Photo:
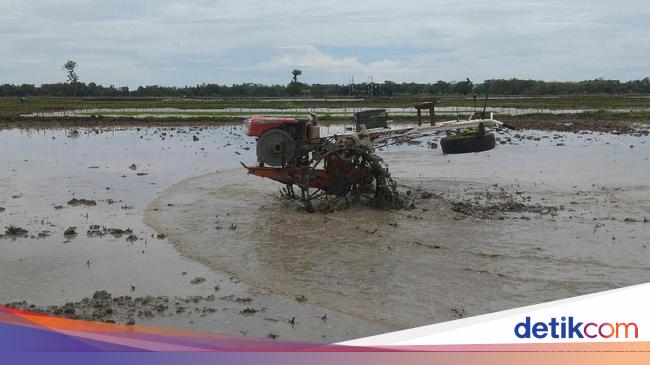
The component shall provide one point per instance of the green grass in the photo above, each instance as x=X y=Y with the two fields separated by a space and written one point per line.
x=12 y=106
x=190 y=113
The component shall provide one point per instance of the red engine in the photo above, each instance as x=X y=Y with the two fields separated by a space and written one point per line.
x=281 y=140
x=256 y=126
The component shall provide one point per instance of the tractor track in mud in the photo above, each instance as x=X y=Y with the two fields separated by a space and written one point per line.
x=501 y=235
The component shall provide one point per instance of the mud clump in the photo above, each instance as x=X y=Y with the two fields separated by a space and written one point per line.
x=494 y=205
x=71 y=232
x=81 y=202
x=248 y=311
x=387 y=196
x=197 y=281
x=14 y=232
x=118 y=232
x=104 y=307
x=494 y=211
x=102 y=295
x=44 y=234
x=2 y=209
x=96 y=231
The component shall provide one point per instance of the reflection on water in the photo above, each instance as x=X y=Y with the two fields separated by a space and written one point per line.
x=339 y=112
x=44 y=169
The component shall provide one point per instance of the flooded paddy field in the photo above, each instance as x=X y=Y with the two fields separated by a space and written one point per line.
x=148 y=281
x=168 y=230
x=449 y=111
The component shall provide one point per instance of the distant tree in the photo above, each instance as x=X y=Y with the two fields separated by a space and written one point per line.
x=387 y=88
x=296 y=72
x=295 y=88
x=73 y=78
x=464 y=87
x=70 y=67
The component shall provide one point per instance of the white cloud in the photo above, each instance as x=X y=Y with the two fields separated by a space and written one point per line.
x=127 y=42
x=309 y=58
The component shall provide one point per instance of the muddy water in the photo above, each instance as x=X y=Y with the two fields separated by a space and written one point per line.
x=432 y=263
x=356 y=272
x=41 y=170
x=449 y=110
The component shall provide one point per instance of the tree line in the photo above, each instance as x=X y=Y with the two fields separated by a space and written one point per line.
x=515 y=87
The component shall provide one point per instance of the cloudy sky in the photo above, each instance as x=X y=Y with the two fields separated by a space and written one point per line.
x=129 y=42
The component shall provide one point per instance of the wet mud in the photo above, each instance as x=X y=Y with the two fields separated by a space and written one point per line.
x=71 y=226
x=607 y=123
x=575 y=123
x=103 y=307
x=543 y=216
x=500 y=205
x=99 y=122
x=487 y=232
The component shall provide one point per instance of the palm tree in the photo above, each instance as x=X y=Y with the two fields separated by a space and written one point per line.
x=296 y=72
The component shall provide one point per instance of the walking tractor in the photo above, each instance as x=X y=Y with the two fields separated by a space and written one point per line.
x=292 y=151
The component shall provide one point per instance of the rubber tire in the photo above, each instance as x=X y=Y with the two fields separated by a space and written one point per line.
x=467 y=144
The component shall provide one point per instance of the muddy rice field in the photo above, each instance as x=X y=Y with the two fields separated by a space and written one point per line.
x=161 y=226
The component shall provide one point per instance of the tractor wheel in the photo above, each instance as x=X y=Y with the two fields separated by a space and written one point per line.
x=376 y=188
x=467 y=144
